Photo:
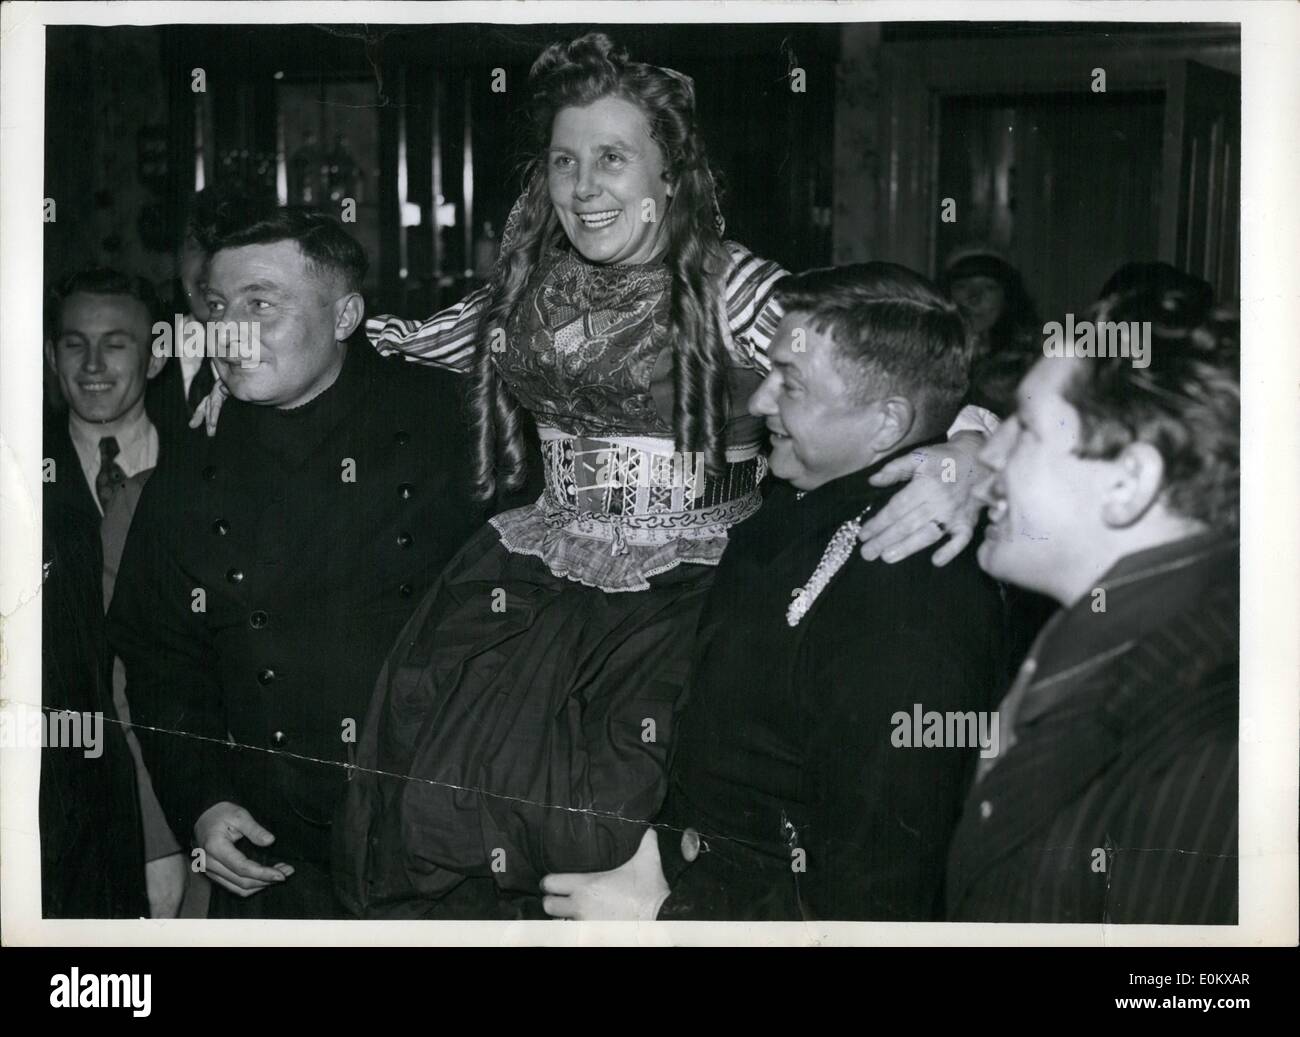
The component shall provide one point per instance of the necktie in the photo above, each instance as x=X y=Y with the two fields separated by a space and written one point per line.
x=111 y=478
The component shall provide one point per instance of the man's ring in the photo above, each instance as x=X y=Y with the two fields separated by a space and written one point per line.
x=942 y=528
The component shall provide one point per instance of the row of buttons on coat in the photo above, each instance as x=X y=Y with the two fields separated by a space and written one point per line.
x=259 y=619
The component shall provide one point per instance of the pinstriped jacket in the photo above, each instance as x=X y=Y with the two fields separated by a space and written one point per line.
x=1117 y=799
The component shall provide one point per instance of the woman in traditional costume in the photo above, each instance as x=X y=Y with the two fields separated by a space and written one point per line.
x=522 y=722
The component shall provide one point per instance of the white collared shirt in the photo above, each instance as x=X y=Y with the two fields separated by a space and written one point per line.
x=137 y=447
x=974 y=419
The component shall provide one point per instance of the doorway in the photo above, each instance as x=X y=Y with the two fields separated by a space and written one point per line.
x=1067 y=186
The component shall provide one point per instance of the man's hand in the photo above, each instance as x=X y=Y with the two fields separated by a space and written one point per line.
x=216 y=832
x=209 y=408
x=938 y=502
x=631 y=892
x=165 y=879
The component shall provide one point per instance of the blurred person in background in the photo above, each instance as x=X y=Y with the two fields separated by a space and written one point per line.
x=1002 y=317
x=186 y=380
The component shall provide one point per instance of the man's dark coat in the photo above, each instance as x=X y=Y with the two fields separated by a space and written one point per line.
x=267 y=572
x=786 y=771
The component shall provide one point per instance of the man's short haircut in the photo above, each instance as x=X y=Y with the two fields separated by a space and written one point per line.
x=1186 y=402
x=100 y=281
x=329 y=249
x=894 y=333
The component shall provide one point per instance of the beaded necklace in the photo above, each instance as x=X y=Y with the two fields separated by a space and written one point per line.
x=837 y=553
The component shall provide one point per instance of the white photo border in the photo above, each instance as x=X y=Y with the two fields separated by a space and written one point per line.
x=1270 y=648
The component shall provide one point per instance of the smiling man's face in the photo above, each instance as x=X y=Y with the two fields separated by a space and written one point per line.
x=1045 y=501
x=819 y=428
x=296 y=308
x=102 y=355
x=602 y=170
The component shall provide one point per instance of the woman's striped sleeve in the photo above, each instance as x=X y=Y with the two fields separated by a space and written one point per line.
x=444 y=340
x=752 y=311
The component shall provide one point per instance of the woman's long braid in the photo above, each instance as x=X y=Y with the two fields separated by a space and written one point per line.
x=500 y=454
x=699 y=353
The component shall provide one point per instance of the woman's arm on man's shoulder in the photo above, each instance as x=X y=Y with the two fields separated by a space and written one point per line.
x=749 y=302
x=444 y=340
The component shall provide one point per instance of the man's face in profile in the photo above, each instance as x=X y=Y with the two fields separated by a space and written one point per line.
x=102 y=355
x=819 y=430
x=293 y=306
x=1045 y=500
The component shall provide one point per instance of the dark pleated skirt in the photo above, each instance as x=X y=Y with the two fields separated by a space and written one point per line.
x=520 y=726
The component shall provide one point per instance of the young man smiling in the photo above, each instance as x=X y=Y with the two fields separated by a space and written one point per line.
x=99 y=350
x=103 y=449
x=1115 y=492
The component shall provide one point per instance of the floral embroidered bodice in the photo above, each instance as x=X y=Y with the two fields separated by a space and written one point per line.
x=582 y=347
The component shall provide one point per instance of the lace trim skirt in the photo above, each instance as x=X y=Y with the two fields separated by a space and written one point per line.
x=616 y=512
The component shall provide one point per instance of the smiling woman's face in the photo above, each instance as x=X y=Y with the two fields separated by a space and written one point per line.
x=605 y=177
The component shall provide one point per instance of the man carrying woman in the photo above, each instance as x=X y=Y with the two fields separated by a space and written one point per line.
x=521 y=724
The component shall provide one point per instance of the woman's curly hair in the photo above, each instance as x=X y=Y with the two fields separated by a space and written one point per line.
x=579 y=73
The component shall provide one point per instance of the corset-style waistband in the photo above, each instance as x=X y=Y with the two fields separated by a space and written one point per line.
x=617 y=512
x=629 y=480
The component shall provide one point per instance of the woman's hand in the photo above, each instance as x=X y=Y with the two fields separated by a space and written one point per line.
x=209 y=408
x=938 y=502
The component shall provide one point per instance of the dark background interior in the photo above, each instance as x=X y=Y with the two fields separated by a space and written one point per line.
x=1068 y=183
